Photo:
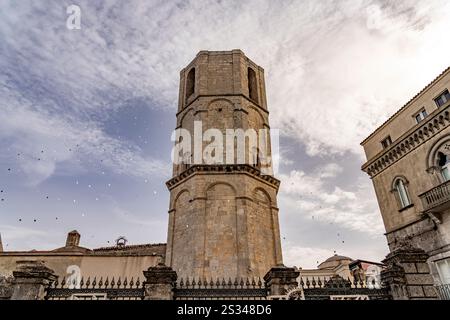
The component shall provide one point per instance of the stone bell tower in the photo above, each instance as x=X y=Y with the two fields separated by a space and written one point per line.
x=223 y=216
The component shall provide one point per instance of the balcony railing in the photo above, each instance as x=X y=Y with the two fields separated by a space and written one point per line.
x=436 y=196
x=444 y=291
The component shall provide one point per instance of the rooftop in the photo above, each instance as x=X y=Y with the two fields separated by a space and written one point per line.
x=72 y=247
x=407 y=104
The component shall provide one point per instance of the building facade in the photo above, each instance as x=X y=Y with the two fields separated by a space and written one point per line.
x=223 y=232
x=223 y=217
x=365 y=272
x=74 y=262
x=408 y=160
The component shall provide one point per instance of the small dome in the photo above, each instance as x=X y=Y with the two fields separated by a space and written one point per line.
x=334 y=261
x=338 y=258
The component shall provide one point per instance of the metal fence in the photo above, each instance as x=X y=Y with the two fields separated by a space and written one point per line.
x=96 y=290
x=202 y=289
x=335 y=288
x=338 y=288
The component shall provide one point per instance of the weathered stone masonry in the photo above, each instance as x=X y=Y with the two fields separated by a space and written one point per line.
x=223 y=219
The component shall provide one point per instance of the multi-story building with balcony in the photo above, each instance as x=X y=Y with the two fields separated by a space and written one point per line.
x=408 y=160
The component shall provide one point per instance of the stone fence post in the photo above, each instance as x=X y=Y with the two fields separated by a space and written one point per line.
x=280 y=280
x=6 y=287
x=408 y=275
x=160 y=282
x=31 y=278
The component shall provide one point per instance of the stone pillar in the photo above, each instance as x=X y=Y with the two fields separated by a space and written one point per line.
x=408 y=275
x=160 y=282
x=6 y=287
x=280 y=280
x=31 y=278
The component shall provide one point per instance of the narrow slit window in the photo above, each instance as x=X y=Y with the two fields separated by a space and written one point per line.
x=190 y=83
x=252 y=85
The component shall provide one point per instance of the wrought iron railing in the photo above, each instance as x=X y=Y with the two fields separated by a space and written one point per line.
x=120 y=289
x=444 y=291
x=220 y=289
x=436 y=196
x=336 y=287
x=310 y=288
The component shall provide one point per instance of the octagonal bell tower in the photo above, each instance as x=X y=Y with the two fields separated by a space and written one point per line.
x=223 y=215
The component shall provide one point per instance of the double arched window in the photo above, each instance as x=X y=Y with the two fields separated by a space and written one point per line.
x=438 y=160
x=400 y=188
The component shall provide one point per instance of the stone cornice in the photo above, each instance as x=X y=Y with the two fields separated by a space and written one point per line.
x=222 y=169
x=416 y=136
x=223 y=95
x=414 y=99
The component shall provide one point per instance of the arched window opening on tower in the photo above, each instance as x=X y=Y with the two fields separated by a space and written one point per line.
x=401 y=190
x=187 y=157
x=190 y=83
x=252 y=85
x=444 y=164
x=256 y=158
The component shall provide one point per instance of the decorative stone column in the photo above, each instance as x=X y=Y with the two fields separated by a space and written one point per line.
x=31 y=278
x=408 y=275
x=280 y=280
x=160 y=282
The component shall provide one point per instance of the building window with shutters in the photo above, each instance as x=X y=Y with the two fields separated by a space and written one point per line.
x=421 y=116
x=386 y=142
x=442 y=99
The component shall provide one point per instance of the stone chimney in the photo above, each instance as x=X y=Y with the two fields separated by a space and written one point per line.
x=1 y=243
x=73 y=239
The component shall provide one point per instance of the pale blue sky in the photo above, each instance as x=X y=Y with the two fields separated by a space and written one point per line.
x=86 y=115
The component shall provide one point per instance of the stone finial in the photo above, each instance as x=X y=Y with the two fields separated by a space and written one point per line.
x=281 y=279
x=160 y=282
x=31 y=278
x=6 y=287
x=73 y=239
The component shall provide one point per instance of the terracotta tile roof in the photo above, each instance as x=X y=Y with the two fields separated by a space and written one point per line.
x=407 y=104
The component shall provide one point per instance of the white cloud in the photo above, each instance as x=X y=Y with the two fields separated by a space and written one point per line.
x=341 y=86
x=330 y=65
x=127 y=217
x=334 y=71
x=45 y=140
x=313 y=195
x=311 y=257
x=329 y=170
x=304 y=257
x=17 y=233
